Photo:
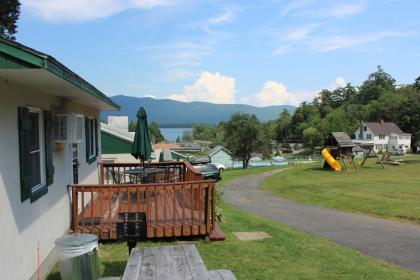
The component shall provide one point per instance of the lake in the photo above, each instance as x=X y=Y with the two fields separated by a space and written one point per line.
x=171 y=134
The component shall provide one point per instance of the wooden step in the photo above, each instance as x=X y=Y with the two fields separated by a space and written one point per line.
x=217 y=234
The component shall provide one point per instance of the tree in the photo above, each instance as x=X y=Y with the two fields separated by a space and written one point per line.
x=155 y=133
x=132 y=126
x=337 y=121
x=417 y=84
x=178 y=139
x=204 y=132
x=377 y=84
x=187 y=136
x=283 y=126
x=264 y=140
x=241 y=135
x=9 y=14
x=306 y=115
x=312 y=137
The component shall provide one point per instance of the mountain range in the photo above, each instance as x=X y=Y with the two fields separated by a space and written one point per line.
x=171 y=113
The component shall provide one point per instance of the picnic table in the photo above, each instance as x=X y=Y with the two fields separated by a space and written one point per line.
x=181 y=262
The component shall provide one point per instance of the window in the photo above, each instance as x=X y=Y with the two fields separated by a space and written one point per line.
x=381 y=137
x=35 y=152
x=36 y=149
x=368 y=136
x=91 y=128
x=364 y=128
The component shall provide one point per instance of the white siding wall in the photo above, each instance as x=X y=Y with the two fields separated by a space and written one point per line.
x=222 y=157
x=386 y=143
x=24 y=224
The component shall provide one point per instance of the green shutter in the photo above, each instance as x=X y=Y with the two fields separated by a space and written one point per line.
x=97 y=139
x=49 y=147
x=26 y=173
x=87 y=138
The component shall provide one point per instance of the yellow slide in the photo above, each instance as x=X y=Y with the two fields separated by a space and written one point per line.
x=331 y=160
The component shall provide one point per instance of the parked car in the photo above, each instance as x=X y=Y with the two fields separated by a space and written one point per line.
x=209 y=170
x=397 y=152
x=220 y=166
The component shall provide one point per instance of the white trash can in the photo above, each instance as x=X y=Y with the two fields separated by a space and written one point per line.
x=78 y=257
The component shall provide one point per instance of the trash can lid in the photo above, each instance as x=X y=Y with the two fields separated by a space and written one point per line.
x=76 y=240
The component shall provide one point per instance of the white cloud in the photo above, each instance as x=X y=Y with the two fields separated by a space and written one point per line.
x=84 y=10
x=345 y=10
x=339 y=82
x=272 y=93
x=289 y=38
x=293 y=6
x=150 y=95
x=337 y=11
x=227 y=16
x=210 y=87
x=178 y=97
x=304 y=39
x=148 y=4
x=336 y=42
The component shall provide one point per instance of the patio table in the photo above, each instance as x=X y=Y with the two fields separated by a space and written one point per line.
x=141 y=174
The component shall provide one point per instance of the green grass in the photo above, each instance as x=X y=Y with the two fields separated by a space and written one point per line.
x=392 y=193
x=288 y=254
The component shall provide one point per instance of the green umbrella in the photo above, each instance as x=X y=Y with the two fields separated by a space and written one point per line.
x=142 y=147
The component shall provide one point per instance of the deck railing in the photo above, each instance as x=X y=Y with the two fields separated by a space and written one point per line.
x=174 y=172
x=179 y=203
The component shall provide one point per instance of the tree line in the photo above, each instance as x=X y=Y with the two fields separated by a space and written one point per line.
x=342 y=109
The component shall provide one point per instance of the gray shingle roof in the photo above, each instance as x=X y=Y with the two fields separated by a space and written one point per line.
x=385 y=128
x=343 y=139
x=216 y=149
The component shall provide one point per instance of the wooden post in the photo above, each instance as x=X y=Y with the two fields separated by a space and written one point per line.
x=213 y=214
x=75 y=200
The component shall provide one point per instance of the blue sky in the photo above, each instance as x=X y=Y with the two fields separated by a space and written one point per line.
x=256 y=52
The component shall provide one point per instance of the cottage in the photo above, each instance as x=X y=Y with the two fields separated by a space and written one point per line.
x=384 y=136
x=49 y=140
x=221 y=155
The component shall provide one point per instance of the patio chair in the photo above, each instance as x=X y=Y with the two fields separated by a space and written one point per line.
x=120 y=178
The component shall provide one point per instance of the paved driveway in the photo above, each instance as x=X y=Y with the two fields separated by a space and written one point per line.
x=391 y=241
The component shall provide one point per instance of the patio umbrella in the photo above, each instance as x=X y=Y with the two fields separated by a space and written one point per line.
x=142 y=147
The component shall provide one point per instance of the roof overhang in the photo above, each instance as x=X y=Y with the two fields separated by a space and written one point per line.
x=32 y=69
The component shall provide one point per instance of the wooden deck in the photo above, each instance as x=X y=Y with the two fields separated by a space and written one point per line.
x=172 y=209
x=170 y=263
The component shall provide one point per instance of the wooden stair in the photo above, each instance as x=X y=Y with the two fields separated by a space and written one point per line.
x=217 y=234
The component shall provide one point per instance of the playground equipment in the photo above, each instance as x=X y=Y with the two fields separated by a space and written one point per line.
x=330 y=159
x=368 y=147
x=338 y=146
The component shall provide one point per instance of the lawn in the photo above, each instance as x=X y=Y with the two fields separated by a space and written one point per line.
x=392 y=193
x=288 y=254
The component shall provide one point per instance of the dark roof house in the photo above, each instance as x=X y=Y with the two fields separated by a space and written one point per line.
x=384 y=128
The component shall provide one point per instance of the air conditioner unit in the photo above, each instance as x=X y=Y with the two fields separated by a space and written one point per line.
x=68 y=128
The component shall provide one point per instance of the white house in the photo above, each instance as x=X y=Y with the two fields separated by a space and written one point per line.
x=221 y=155
x=49 y=140
x=384 y=136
